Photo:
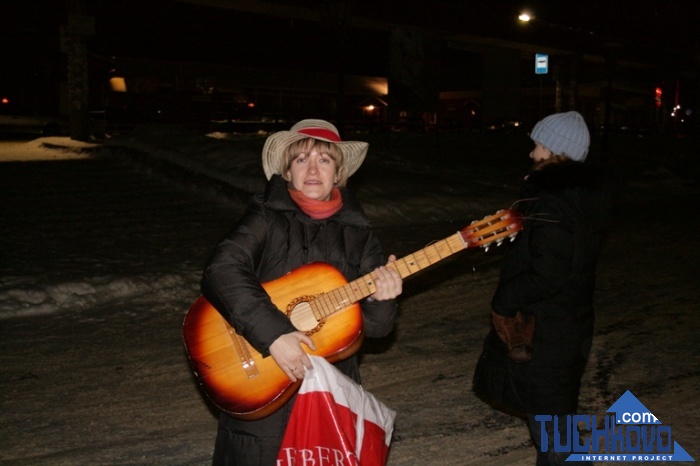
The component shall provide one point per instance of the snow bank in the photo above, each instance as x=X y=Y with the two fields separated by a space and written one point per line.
x=229 y=159
x=402 y=180
x=25 y=299
x=407 y=179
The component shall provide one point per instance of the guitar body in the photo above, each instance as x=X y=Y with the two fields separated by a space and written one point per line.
x=235 y=376
x=320 y=302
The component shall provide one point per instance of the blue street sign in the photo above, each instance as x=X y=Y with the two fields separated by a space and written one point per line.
x=541 y=62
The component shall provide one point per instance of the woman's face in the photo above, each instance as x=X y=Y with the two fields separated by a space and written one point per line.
x=539 y=153
x=314 y=174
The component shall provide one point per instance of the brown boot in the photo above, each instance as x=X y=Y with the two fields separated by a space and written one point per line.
x=516 y=332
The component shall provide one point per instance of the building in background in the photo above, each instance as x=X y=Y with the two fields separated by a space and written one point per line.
x=370 y=66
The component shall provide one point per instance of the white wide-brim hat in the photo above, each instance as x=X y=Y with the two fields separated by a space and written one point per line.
x=354 y=152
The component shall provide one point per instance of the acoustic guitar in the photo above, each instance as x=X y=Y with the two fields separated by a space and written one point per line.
x=320 y=302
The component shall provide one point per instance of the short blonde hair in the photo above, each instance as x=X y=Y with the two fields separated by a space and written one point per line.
x=292 y=151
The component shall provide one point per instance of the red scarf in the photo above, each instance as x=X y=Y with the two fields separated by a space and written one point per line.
x=318 y=209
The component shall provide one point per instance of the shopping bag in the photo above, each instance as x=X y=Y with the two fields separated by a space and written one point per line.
x=335 y=421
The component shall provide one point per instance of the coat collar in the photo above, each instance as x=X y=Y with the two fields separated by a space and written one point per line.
x=276 y=197
x=565 y=175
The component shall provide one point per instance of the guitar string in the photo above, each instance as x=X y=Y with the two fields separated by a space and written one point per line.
x=429 y=255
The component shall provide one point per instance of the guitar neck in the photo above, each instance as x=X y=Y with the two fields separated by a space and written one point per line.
x=495 y=228
x=358 y=289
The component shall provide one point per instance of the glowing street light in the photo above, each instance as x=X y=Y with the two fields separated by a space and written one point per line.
x=525 y=17
x=117 y=84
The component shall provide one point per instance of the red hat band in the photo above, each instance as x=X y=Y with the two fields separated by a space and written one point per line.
x=320 y=133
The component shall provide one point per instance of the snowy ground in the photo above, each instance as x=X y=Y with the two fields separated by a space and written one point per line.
x=102 y=248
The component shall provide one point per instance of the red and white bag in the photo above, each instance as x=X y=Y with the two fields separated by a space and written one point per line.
x=335 y=422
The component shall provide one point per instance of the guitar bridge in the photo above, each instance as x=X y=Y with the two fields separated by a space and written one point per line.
x=246 y=360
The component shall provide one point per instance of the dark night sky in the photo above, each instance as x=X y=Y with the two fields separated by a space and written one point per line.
x=664 y=31
x=169 y=29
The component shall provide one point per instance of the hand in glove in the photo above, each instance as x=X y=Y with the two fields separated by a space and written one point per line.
x=516 y=332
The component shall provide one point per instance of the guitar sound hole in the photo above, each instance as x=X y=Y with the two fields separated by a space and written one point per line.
x=302 y=316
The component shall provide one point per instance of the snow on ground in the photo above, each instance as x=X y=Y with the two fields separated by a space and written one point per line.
x=48 y=148
x=394 y=189
x=407 y=179
x=103 y=247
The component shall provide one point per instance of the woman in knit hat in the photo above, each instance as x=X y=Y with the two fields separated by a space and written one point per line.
x=547 y=276
x=305 y=215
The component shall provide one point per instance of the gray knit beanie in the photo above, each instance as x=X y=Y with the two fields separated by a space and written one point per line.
x=564 y=134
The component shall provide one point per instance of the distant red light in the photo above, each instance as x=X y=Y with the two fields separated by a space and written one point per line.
x=5 y=101
x=657 y=97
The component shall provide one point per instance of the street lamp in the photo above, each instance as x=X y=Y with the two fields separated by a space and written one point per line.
x=525 y=17
x=528 y=17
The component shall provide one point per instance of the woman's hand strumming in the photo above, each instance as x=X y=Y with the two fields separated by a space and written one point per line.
x=290 y=356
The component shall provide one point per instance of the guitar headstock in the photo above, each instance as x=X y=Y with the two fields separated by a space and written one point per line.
x=494 y=228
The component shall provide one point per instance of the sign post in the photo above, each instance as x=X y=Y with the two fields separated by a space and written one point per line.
x=541 y=67
x=541 y=63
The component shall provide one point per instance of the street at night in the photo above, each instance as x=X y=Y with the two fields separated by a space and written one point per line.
x=103 y=256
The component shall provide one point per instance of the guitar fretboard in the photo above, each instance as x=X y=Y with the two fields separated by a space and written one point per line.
x=327 y=303
x=492 y=229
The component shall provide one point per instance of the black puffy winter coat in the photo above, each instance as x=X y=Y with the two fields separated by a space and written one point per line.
x=274 y=237
x=549 y=272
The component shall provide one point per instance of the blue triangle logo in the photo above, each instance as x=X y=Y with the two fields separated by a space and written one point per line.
x=679 y=454
x=629 y=410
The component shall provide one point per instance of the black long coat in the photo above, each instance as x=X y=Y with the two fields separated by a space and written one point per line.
x=549 y=272
x=272 y=238
x=275 y=237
